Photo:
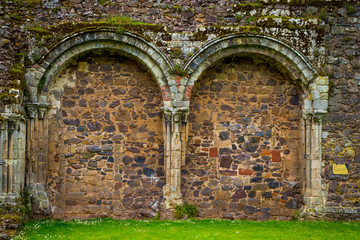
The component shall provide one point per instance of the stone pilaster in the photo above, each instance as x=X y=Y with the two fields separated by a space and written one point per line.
x=36 y=156
x=175 y=121
x=314 y=191
x=12 y=158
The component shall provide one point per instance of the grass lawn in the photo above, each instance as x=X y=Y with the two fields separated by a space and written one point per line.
x=187 y=229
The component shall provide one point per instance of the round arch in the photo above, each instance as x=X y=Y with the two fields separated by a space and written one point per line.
x=71 y=46
x=293 y=61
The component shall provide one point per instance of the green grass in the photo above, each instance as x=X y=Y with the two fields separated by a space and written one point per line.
x=187 y=229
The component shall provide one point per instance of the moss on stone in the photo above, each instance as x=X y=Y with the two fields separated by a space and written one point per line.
x=247 y=6
x=7 y=98
x=307 y=2
x=39 y=30
x=286 y=22
x=17 y=72
x=224 y=30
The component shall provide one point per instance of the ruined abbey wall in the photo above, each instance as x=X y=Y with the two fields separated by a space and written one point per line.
x=246 y=109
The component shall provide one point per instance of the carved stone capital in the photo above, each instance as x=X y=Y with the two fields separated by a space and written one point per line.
x=31 y=109
x=307 y=115
x=175 y=114
x=42 y=108
x=37 y=108
x=319 y=114
x=167 y=114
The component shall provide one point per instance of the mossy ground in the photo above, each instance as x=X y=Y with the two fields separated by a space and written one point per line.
x=187 y=229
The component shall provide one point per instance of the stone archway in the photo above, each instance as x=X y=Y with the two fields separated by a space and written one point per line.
x=58 y=111
x=287 y=59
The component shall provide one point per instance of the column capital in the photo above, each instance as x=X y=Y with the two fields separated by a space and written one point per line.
x=307 y=115
x=37 y=108
x=31 y=109
x=42 y=108
x=176 y=114
x=319 y=114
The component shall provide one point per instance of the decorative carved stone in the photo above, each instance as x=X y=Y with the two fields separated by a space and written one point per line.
x=31 y=109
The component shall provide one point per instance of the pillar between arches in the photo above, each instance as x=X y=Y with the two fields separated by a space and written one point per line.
x=175 y=135
x=36 y=155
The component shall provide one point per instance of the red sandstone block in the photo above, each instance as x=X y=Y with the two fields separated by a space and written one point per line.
x=166 y=93
x=117 y=185
x=227 y=172
x=213 y=152
x=245 y=171
x=178 y=80
x=187 y=93
x=275 y=155
x=265 y=152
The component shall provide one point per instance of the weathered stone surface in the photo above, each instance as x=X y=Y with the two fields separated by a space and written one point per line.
x=240 y=193
x=292 y=203
x=206 y=191
x=225 y=161
x=100 y=95
x=275 y=156
x=219 y=203
x=249 y=209
x=110 y=161
x=242 y=134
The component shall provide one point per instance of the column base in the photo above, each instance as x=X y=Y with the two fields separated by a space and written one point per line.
x=39 y=199
x=330 y=213
x=10 y=199
x=172 y=196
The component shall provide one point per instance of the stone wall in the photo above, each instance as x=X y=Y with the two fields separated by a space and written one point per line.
x=341 y=127
x=244 y=142
x=106 y=157
x=225 y=132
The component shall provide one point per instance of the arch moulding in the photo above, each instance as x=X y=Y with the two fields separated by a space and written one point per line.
x=71 y=46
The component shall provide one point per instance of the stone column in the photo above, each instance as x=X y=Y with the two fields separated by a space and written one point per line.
x=315 y=109
x=307 y=141
x=3 y=157
x=314 y=192
x=175 y=120
x=12 y=159
x=37 y=146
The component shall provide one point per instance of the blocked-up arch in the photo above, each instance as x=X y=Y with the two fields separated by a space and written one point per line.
x=287 y=57
x=298 y=67
x=43 y=85
x=128 y=43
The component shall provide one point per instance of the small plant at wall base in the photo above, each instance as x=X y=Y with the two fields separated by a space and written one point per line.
x=185 y=211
